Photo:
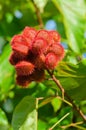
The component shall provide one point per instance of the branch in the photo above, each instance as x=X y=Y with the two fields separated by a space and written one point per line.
x=59 y=121
x=66 y=95
x=38 y=14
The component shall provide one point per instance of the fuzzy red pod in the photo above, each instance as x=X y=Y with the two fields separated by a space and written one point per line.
x=43 y=34
x=14 y=58
x=39 y=46
x=23 y=81
x=51 y=61
x=57 y=49
x=39 y=61
x=29 y=33
x=24 y=68
x=20 y=50
x=55 y=36
x=33 y=52
x=20 y=39
x=38 y=75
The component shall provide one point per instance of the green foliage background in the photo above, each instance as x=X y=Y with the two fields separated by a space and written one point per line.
x=68 y=17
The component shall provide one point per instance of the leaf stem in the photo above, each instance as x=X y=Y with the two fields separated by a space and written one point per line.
x=66 y=95
x=59 y=121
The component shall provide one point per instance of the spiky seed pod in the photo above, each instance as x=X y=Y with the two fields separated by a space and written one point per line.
x=43 y=34
x=23 y=81
x=38 y=75
x=20 y=50
x=24 y=68
x=55 y=37
x=14 y=58
x=29 y=32
x=39 y=46
x=51 y=61
x=20 y=39
x=33 y=52
x=39 y=61
x=57 y=49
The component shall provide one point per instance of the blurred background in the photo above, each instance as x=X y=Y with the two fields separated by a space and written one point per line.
x=68 y=17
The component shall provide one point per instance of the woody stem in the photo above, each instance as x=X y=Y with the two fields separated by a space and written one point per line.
x=66 y=95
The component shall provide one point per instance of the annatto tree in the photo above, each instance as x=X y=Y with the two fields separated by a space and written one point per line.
x=43 y=65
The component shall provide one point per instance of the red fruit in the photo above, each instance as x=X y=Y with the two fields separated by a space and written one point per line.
x=43 y=34
x=14 y=59
x=39 y=61
x=20 y=39
x=55 y=37
x=51 y=61
x=24 y=68
x=33 y=52
x=56 y=49
x=20 y=50
x=38 y=75
x=23 y=80
x=39 y=46
x=29 y=32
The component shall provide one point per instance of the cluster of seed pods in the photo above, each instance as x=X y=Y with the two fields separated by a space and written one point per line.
x=34 y=51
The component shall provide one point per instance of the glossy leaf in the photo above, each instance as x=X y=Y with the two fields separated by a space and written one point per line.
x=73 y=12
x=25 y=115
x=73 y=79
x=56 y=103
x=7 y=71
x=3 y=121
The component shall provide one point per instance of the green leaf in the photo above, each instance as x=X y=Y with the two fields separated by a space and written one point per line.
x=7 y=71
x=25 y=115
x=46 y=101
x=42 y=125
x=73 y=12
x=56 y=103
x=73 y=79
x=3 y=121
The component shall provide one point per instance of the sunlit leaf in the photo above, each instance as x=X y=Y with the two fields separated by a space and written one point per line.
x=56 y=103
x=3 y=121
x=25 y=115
x=74 y=18
x=6 y=71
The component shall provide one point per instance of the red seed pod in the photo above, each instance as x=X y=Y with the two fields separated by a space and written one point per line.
x=20 y=50
x=56 y=49
x=23 y=81
x=55 y=37
x=39 y=61
x=38 y=75
x=14 y=58
x=39 y=46
x=29 y=32
x=20 y=39
x=33 y=52
x=43 y=34
x=24 y=68
x=51 y=61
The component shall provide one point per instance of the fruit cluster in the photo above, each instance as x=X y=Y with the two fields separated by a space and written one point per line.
x=32 y=52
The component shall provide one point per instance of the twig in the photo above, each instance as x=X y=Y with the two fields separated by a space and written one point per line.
x=38 y=14
x=66 y=95
x=59 y=121
x=77 y=125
